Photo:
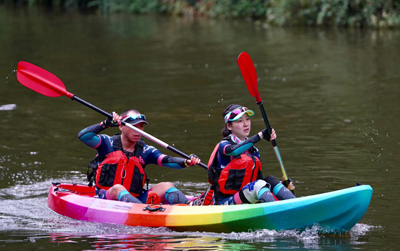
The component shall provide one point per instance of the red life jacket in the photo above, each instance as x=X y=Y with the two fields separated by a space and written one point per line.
x=243 y=169
x=117 y=168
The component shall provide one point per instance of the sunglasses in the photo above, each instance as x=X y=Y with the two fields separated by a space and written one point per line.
x=237 y=114
x=133 y=118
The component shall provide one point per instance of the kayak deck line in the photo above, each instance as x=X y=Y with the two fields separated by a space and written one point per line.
x=335 y=211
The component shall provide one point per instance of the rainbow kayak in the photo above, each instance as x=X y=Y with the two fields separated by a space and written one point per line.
x=334 y=211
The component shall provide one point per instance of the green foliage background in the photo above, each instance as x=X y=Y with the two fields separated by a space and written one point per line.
x=345 y=13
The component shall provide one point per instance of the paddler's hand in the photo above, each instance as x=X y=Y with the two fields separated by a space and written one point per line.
x=194 y=160
x=290 y=186
x=114 y=121
x=268 y=137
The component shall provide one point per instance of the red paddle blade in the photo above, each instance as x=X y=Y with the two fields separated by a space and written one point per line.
x=249 y=74
x=40 y=80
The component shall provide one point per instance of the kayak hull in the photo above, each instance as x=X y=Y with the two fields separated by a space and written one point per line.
x=333 y=211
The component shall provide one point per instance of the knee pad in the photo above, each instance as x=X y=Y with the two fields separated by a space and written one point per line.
x=125 y=196
x=249 y=193
x=174 y=196
x=265 y=195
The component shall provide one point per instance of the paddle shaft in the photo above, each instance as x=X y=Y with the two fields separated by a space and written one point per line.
x=274 y=144
x=143 y=133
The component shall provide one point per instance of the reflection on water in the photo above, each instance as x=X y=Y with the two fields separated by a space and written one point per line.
x=162 y=239
x=152 y=242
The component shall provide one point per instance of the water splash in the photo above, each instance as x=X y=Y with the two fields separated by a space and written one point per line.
x=8 y=76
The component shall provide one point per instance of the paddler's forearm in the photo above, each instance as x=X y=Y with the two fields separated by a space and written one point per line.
x=89 y=135
x=233 y=150
x=173 y=162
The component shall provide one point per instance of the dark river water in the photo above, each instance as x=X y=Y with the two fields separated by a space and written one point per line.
x=332 y=95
